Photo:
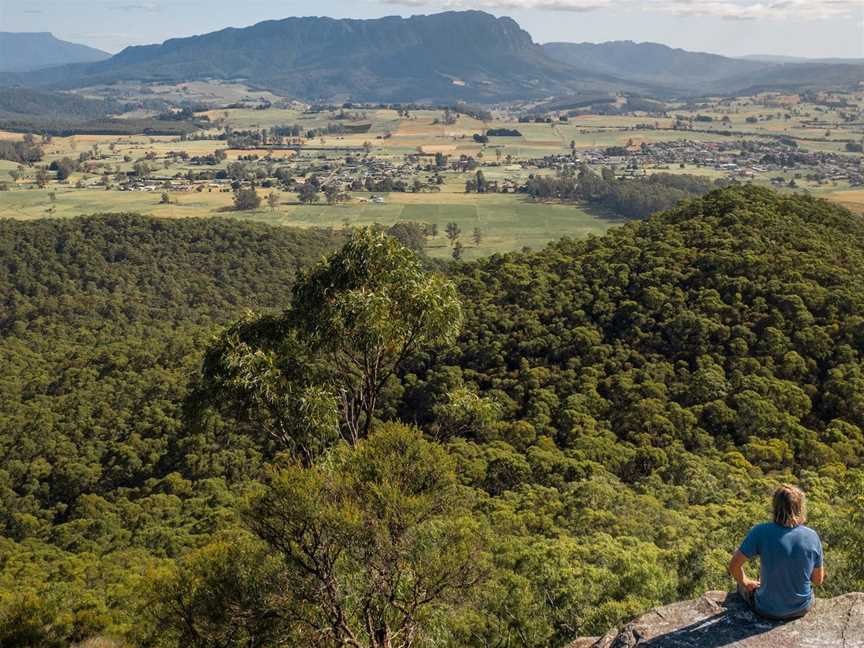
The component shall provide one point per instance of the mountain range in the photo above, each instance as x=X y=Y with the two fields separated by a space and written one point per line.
x=467 y=55
x=688 y=73
x=24 y=52
x=775 y=58
x=653 y=63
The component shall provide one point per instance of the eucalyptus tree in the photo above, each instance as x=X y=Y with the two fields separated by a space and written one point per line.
x=374 y=548
x=318 y=369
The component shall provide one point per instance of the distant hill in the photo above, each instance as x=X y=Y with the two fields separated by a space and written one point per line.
x=651 y=63
x=44 y=103
x=67 y=113
x=46 y=111
x=774 y=58
x=797 y=77
x=699 y=72
x=468 y=55
x=24 y=52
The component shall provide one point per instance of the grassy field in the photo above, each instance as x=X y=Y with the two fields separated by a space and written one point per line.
x=506 y=222
x=851 y=199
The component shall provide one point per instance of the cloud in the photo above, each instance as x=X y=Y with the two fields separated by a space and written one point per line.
x=747 y=10
x=727 y=9
x=548 y=5
x=135 y=6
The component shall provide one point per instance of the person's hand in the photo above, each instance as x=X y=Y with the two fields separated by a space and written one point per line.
x=751 y=585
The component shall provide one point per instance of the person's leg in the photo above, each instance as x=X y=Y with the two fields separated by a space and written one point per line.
x=747 y=595
x=789 y=617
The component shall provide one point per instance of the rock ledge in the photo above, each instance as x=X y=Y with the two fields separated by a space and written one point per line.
x=721 y=620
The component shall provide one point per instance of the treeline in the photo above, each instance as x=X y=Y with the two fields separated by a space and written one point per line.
x=637 y=197
x=26 y=151
x=277 y=135
x=503 y=132
x=65 y=167
x=61 y=127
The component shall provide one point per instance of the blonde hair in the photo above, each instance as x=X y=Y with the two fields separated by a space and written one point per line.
x=790 y=506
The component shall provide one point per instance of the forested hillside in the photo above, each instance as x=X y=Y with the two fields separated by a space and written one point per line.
x=102 y=321
x=630 y=197
x=596 y=424
x=731 y=320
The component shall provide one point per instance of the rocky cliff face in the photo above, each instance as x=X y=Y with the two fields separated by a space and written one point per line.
x=721 y=620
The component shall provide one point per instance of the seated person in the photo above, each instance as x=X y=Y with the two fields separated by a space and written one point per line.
x=791 y=557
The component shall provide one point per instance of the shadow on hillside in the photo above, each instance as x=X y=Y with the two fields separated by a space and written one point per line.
x=597 y=211
x=606 y=214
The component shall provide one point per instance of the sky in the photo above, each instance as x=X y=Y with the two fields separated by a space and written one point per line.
x=807 y=28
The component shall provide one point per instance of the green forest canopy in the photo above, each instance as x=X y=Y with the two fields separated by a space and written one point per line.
x=599 y=437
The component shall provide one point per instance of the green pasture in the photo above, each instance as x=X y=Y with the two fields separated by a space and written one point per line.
x=5 y=167
x=506 y=222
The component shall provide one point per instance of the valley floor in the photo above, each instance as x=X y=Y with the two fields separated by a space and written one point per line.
x=507 y=222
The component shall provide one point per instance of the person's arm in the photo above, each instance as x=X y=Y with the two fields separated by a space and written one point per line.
x=736 y=570
x=818 y=576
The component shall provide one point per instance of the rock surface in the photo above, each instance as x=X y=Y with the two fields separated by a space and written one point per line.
x=721 y=620
x=584 y=642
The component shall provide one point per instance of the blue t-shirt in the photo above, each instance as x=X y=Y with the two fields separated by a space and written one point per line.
x=789 y=555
